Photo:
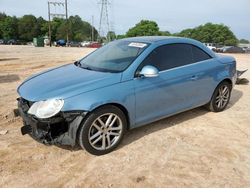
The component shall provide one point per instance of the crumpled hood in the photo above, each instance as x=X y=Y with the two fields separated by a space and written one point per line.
x=65 y=81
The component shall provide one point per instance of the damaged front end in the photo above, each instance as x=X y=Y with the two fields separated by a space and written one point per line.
x=58 y=130
x=239 y=80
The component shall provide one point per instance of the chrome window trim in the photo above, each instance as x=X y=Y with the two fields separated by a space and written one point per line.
x=186 y=65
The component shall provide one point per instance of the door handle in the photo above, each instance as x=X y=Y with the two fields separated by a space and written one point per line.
x=194 y=77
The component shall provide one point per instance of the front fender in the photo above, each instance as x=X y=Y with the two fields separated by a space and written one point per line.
x=121 y=93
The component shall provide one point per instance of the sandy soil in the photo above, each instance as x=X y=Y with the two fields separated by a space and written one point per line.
x=193 y=149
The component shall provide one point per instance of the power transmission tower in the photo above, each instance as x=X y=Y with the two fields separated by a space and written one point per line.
x=104 y=20
x=58 y=15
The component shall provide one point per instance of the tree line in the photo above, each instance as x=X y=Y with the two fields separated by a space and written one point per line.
x=27 y=27
x=208 y=33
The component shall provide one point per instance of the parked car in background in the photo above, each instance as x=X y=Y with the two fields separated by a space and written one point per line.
x=16 y=42
x=12 y=42
x=46 y=41
x=247 y=49
x=61 y=42
x=85 y=43
x=123 y=85
x=232 y=49
x=74 y=44
x=219 y=50
x=2 y=41
x=211 y=46
x=94 y=45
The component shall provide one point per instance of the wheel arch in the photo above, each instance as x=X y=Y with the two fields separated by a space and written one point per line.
x=121 y=107
x=210 y=106
x=228 y=80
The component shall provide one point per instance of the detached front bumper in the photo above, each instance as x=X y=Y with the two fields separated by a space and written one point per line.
x=59 y=130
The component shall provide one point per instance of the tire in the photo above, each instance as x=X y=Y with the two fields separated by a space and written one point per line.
x=102 y=130
x=221 y=97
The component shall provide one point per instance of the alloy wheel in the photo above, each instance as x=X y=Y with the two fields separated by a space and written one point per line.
x=105 y=131
x=222 y=97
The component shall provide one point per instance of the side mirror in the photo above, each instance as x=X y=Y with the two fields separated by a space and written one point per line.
x=149 y=71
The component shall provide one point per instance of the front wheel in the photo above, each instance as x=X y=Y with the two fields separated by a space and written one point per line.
x=221 y=97
x=103 y=130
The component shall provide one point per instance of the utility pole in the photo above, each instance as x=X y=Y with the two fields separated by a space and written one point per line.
x=92 y=29
x=67 y=23
x=104 y=19
x=49 y=25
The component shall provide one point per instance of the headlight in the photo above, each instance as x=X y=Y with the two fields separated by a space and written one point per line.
x=46 y=109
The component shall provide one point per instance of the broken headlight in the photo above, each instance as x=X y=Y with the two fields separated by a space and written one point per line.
x=46 y=109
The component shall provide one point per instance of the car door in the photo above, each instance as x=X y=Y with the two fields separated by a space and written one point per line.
x=204 y=68
x=174 y=90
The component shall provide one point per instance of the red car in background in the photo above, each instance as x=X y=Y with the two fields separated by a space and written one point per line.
x=94 y=45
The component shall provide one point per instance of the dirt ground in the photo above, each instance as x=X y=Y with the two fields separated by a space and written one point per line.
x=193 y=149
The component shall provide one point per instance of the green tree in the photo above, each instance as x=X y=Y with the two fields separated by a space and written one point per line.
x=244 y=41
x=211 y=33
x=164 y=33
x=28 y=28
x=41 y=26
x=144 y=28
x=120 y=36
x=45 y=28
x=79 y=30
x=55 y=24
x=8 y=25
x=2 y=17
x=61 y=30
x=111 y=35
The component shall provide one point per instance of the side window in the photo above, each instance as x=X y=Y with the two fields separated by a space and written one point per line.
x=199 y=54
x=169 y=56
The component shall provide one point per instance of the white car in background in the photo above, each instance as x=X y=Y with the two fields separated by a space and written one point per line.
x=210 y=46
x=85 y=43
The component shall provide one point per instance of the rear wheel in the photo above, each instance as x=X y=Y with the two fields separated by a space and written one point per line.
x=103 y=130
x=221 y=97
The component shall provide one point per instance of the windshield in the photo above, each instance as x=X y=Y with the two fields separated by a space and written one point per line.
x=113 y=57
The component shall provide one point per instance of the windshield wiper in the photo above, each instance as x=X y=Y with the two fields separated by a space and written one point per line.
x=77 y=63
x=85 y=67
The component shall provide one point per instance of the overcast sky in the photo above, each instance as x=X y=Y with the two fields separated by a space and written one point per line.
x=171 y=15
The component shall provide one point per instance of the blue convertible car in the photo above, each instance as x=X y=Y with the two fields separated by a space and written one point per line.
x=123 y=85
